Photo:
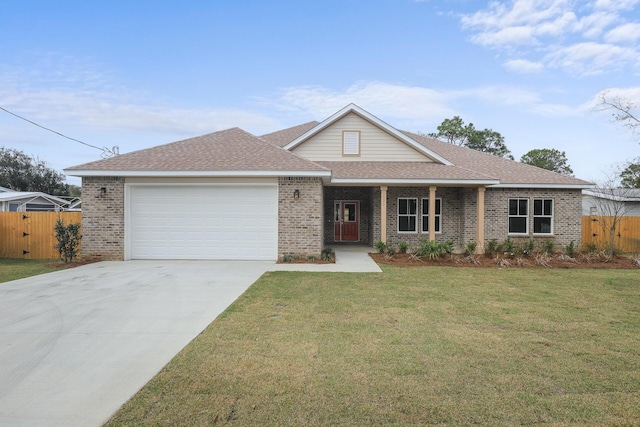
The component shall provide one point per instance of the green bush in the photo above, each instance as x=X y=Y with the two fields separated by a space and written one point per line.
x=403 y=247
x=492 y=248
x=570 y=249
x=381 y=246
x=68 y=237
x=548 y=246
x=434 y=249
x=470 y=248
x=327 y=254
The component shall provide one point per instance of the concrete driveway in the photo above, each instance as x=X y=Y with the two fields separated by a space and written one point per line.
x=77 y=344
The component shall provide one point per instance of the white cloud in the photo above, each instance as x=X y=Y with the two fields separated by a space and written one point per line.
x=409 y=103
x=591 y=58
x=576 y=37
x=524 y=66
x=72 y=91
x=624 y=33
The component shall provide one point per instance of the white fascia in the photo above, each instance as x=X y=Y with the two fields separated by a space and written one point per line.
x=558 y=186
x=376 y=121
x=201 y=174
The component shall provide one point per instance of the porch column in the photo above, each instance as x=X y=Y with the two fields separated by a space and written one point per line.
x=383 y=213
x=480 y=222
x=432 y=213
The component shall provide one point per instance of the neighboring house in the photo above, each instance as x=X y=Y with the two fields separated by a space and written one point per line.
x=30 y=201
x=606 y=202
x=350 y=178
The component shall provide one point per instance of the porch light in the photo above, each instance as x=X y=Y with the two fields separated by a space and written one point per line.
x=296 y=194
x=103 y=191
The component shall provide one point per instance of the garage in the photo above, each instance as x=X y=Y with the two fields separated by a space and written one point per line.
x=202 y=221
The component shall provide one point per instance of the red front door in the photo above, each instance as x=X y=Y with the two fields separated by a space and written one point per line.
x=346 y=221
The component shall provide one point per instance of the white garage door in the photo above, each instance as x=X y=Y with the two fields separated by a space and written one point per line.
x=203 y=222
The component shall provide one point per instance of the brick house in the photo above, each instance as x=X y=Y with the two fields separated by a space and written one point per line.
x=350 y=178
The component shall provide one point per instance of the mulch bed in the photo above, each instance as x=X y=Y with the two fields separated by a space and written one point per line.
x=533 y=261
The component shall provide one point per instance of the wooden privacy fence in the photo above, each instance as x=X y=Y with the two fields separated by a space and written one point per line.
x=30 y=235
x=627 y=237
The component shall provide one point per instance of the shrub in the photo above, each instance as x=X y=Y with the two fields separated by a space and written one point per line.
x=403 y=247
x=470 y=248
x=327 y=254
x=68 y=237
x=507 y=246
x=434 y=249
x=492 y=248
x=590 y=247
x=381 y=246
x=548 y=246
x=570 y=249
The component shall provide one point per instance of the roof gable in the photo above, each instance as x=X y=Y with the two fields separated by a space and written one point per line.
x=231 y=152
x=403 y=140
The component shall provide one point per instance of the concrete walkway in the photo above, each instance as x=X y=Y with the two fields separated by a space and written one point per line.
x=350 y=258
x=77 y=344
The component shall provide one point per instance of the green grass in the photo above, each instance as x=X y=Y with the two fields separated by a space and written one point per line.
x=413 y=346
x=12 y=269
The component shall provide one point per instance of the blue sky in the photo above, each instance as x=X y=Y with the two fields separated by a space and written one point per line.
x=135 y=74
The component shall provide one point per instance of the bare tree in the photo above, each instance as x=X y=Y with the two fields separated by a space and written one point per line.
x=623 y=110
x=609 y=204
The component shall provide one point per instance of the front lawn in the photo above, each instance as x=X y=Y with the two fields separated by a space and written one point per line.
x=412 y=346
x=12 y=269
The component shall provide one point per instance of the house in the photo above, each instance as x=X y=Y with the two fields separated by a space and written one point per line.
x=611 y=201
x=349 y=178
x=30 y=201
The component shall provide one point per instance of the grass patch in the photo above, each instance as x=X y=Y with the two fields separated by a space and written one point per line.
x=13 y=269
x=426 y=345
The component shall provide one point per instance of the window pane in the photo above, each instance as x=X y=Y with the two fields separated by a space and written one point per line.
x=425 y=206
x=523 y=206
x=438 y=206
x=407 y=223
x=542 y=225
x=537 y=207
x=350 y=212
x=402 y=206
x=425 y=223
x=413 y=206
x=548 y=207
x=437 y=224
x=517 y=225
x=513 y=207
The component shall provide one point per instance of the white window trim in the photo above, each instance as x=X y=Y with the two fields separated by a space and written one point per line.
x=347 y=143
x=552 y=216
x=526 y=216
x=407 y=215
x=425 y=216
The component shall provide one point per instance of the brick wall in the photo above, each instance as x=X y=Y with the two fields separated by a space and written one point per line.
x=300 y=221
x=567 y=213
x=451 y=219
x=103 y=218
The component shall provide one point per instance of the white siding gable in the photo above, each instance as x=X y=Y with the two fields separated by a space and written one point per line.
x=375 y=144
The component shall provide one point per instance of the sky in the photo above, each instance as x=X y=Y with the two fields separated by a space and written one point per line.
x=135 y=74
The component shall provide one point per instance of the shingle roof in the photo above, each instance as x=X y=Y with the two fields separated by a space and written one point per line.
x=239 y=151
x=405 y=171
x=507 y=171
x=285 y=136
x=227 y=150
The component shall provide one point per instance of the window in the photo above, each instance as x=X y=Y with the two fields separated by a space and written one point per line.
x=542 y=216
x=425 y=215
x=350 y=143
x=518 y=216
x=407 y=215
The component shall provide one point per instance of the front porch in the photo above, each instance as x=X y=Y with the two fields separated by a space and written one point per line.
x=367 y=214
